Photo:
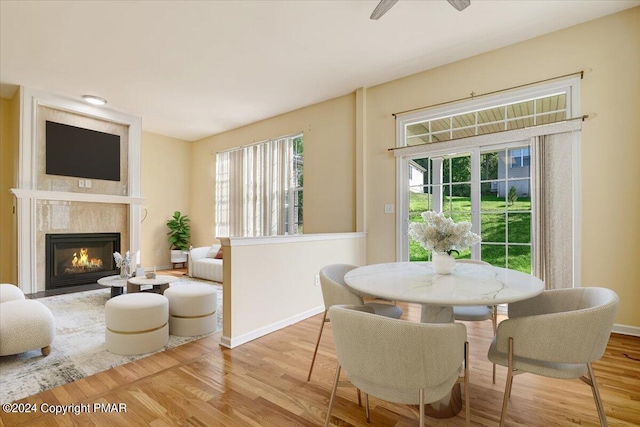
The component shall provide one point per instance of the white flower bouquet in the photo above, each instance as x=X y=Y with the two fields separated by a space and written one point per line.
x=123 y=263
x=440 y=234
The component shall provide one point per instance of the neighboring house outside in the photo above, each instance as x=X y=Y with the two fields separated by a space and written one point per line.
x=518 y=166
x=416 y=177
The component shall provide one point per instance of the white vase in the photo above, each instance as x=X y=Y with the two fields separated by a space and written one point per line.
x=443 y=263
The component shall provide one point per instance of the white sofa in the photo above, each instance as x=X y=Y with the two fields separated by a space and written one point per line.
x=203 y=265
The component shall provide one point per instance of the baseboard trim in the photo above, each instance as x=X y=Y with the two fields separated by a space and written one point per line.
x=626 y=330
x=230 y=342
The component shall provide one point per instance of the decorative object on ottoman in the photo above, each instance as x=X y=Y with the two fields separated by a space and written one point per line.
x=136 y=323
x=192 y=309
x=25 y=324
x=9 y=292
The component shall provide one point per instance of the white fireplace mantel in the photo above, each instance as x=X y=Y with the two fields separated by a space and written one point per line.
x=27 y=195
x=75 y=197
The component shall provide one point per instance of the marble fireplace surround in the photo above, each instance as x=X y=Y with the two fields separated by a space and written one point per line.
x=55 y=204
x=60 y=217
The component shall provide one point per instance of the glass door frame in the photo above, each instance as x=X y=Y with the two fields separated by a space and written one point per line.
x=475 y=153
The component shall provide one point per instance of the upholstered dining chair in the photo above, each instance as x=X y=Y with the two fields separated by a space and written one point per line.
x=477 y=313
x=335 y=291
x=399 y=361
x=557 y=334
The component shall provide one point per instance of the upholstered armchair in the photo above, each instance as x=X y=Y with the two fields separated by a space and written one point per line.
x=335 y=291
x=25 y=324
x=399 y=361
x=557 y=334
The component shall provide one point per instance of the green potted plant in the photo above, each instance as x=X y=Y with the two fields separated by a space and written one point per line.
x=179 y=235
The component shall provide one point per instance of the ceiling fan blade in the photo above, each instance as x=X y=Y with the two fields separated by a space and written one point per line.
x=459 y=4
x=382 y=8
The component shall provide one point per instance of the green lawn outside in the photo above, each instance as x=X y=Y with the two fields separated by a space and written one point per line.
x=498 y=220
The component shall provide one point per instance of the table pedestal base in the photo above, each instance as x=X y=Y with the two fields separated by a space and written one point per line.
x=447 y=407
x=436 y=314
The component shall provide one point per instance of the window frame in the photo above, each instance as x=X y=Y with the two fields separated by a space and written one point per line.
x=404 y=152
x=288 y=211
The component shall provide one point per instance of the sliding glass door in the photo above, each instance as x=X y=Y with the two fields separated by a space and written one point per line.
x=488 y=186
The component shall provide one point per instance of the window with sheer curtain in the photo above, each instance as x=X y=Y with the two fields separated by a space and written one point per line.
x=259 y=188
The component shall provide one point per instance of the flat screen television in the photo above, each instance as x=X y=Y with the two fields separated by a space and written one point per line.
x=82 y=153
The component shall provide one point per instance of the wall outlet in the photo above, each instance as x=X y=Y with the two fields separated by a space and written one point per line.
x=87 y=183
x=388 y=208
x=81 y=183
x=316 y=281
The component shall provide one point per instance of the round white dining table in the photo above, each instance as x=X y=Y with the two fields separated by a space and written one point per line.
x=468 y=284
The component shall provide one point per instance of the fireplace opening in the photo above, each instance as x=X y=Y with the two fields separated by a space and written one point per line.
x=79 y=258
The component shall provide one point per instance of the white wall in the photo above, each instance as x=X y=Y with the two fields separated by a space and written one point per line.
x=270 y=281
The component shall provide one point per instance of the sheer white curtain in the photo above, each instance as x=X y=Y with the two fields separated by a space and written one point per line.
x=252 y=184
x=553 y=160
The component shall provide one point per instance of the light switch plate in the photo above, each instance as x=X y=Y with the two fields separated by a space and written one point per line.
x=388 y=208
x=87 y=183
x=81 y=183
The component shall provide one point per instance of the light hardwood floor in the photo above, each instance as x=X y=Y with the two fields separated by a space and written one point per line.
x=263 y=383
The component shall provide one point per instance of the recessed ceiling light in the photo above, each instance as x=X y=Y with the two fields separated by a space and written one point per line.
x=95 y=100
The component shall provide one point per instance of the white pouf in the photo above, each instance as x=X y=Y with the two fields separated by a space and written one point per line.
x=9 y=292
x=192 y=309
x=136 y=323
x=25 y=325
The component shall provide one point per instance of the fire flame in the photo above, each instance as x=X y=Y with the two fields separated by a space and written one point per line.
x=83 y=260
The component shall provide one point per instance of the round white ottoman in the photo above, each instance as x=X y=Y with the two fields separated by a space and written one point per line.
x=192 y=309
x=136 y=323
x=9 y=292
x=25 y=324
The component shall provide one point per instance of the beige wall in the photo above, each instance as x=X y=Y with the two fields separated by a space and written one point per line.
x=8 y=152
x=329 y=156
x=165 y=187
x=610 y=149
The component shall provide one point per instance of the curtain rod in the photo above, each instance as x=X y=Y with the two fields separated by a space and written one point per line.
x=474 y=96
x=583 y=118
x=291 y=135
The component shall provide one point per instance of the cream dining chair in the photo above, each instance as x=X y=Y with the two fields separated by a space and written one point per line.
x=557 y=334
x=399 y=361
x=477 y=313
x=335 y=291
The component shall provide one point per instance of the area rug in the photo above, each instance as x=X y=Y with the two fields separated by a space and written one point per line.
x=78 y=349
